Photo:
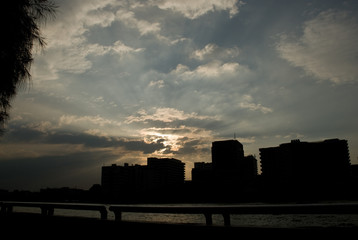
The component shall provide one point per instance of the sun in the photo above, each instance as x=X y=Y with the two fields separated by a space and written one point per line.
x=170 y=141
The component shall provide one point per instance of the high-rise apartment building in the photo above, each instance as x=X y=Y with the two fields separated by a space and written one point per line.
x=229 y=165
x=158 y=172
x=166 y=171
x=301 y=162
x=123 y=179
x=202 y=173
x=227 y=154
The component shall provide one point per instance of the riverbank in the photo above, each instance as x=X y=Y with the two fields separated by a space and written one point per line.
x=36 y=225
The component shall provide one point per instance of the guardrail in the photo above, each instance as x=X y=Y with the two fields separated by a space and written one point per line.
x=243 y=209
x=48 y=209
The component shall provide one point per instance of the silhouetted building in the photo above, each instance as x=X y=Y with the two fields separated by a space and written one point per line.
x=226 y=155
x=159 y=172
x=166 y=171
x=306 y=162
x=202 y=173
x=123 y=179
x=230 y=166
x=230 y=177
x=354 y=170
x=249 y=164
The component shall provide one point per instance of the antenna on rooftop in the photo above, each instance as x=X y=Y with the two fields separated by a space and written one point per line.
x=234 y=136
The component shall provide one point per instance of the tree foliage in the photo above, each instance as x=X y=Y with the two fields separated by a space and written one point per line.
x=20 y=27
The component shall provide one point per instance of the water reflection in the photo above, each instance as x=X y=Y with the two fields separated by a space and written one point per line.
x=249 y=220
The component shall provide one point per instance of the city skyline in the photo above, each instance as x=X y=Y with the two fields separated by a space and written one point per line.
x=119 y=81
x=291 y=171
x=294 y=170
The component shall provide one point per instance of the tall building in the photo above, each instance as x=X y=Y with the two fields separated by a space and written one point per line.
x=306 y=162
x=202 y=173
x=166 y=171
x=229 y=164
x=159 y=172
x=249 y=163
x=123 y=179
x=227 y=154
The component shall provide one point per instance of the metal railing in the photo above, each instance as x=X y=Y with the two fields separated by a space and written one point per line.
x=48 y=209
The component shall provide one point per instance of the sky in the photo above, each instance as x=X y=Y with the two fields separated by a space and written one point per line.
x=121 y=81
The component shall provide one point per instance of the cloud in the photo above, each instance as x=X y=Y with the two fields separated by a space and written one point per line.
x=194 y=9
x=22 y=142
x=117 y=48
x=68 y=47
x=79 y=169
x=144 y=27
x=327 y=49
x=165 y=115
x=212 y=51
x=212 y=70
x=74 y=59
x=247 y=103
x=83 y=120
x=176 y=138
x=42 y=126
x=158 y=84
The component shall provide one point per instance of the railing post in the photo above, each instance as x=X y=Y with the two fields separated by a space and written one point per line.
x=50 y=211
x=9 y=209
x=44 y=211
x=118 y=215
x=3 y=208
x=103 y=214
x=6 y=209
x=226 y=219
x=208 y=219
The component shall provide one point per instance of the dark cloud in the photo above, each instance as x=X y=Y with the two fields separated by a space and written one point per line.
x=72 y=170
x=146 y=148
x=191 y=147
x=19 y=134
x=27 y=135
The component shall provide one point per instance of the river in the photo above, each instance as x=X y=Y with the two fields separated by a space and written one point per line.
x=261 y=220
